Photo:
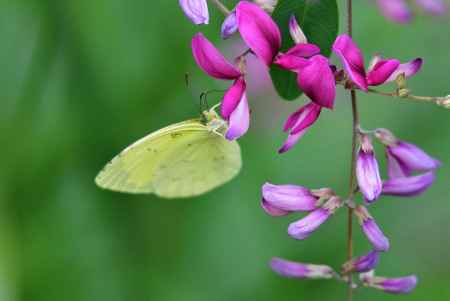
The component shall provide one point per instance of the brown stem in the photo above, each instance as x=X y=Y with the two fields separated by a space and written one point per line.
x=221 y=7
x=352 y=180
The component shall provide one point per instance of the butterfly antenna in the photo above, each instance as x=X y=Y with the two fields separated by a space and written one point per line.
x=186 y=79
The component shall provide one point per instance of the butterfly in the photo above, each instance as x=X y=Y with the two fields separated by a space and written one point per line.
x=185 y=159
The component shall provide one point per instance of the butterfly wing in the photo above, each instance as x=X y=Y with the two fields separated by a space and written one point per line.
x=181 y=160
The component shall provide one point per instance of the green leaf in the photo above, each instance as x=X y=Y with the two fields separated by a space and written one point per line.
x=319 y=20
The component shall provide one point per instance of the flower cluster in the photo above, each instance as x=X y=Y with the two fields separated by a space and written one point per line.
x=410 y=171
x=399 y=10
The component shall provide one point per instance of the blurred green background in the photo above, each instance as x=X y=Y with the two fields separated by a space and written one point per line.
x=80 y=80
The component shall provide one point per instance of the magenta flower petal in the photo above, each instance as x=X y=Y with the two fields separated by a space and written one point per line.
x=412 y=157
x=289 y=197
x=395 y=10
x=196 y=10
x=239 y=120
x=211 y=60
x=299 y=122
x=307 y=225
x=409 y=69
x=381 y=71
x=317 y=81
x=303 y=118
x=291 y=269
x=273 y=211
x=367 y=172
x=229 y=26
x=352 y=60
x=408 y=186
x=259 y=31
x=402 y=285
x=296 y=32
x=304 y=50
x=434 y=7
x=363 y=264
x=232 y=98
x=291 y=62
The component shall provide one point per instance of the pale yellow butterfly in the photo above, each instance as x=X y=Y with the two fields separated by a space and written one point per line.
x=185 y=159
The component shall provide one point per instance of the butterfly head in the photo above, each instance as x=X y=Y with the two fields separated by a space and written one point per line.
x=214 y=122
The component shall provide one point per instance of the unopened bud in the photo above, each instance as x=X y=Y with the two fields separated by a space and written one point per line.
x=291 y=269
x=296 y=32
x=403 y=92
x=444 y=102
x=401 y=81
x=402 y=285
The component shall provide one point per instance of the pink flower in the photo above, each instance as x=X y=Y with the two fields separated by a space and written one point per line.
x=367 y=171
x=287 y=198
x=298 y=123
x=399 y=10
x=234 y=104
x=380 y=70
x=402 y=285
x=259 y=31
x=291 y=269
x=370 y=228
x=314 y=75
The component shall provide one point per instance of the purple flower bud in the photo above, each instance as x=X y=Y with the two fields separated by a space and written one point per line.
x=367 y=171
x=289 y=197
x=229 y=26
x=299 y=270
x=296 y=32
x=434 y=7
x=303 y=228
x=408 y=186
x=362 y=264
x=196 y=10
x=402 y=285
x=405 y=158
x=373 y=233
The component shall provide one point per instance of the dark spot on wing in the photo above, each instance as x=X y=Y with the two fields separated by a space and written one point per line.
x=175 y=135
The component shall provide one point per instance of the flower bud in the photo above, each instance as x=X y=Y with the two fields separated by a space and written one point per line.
x=373 y=233
x=362 y=264
x=303 y=228
x=408 y=186
x=299 y=270
x=289 y=197
x=402 y=285
x=196 y=10
x=229 y=26
x=405 y=158
x=273 y=211
x=296 y=32
x=367 y=172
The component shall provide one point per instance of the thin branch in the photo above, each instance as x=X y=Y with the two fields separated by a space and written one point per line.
x=440 y=101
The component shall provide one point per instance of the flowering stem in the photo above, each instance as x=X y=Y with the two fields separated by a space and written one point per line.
x=352 y=180
x=440 y=101
x=221 y=7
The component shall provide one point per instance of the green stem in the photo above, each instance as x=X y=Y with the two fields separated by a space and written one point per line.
x=221 y=7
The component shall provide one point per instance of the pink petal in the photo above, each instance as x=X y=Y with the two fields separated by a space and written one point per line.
x=395 y=10
x=291 y=62
x=434 y=7
x=318 y=82
x=352 y=60
x=409 y=69
x=299 y=122
x=232 y=97
x=381 y=71
x=211 y=60
x=239 y=120
x=304 y=50
x=259 y=31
